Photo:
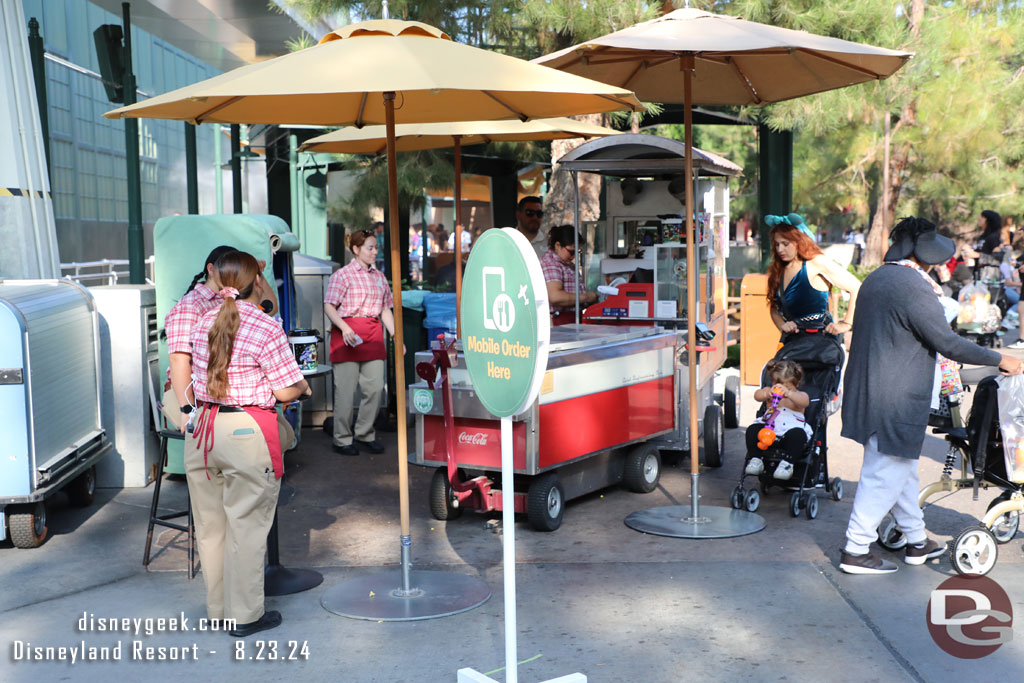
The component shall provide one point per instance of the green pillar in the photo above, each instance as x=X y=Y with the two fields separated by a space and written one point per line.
x=775 y=180
x=136 y=242
x=36 y=52
x=236 y=168
x=191 y=169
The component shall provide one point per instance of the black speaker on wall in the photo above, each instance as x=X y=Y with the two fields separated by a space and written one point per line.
x=109 y=52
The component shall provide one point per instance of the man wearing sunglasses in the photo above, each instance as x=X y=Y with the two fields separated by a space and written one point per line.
x=529 y=213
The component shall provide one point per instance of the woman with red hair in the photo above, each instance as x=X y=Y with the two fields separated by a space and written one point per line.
x=801 y=277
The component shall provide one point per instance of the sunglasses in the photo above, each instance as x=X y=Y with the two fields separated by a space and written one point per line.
x=533 y=213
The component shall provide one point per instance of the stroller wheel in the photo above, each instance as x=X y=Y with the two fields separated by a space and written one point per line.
x=1006 y=525
x=794 y=504
x=890 y=536
x=736 y=499
x=837 y=489
x=974 y=551
x=812 y=506
x=752 y=500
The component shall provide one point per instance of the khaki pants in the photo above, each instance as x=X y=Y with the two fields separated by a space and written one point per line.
x=234 y=510
x=369 y=375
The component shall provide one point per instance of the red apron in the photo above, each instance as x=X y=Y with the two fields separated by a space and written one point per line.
x=372 y=347
x=266 y=420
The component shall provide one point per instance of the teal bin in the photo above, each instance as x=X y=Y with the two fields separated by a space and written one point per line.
x=180 y=247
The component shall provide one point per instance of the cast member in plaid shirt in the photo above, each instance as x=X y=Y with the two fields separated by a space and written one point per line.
x=199 y=298
x=561 y=275
x=243 y=365
x=357 y=301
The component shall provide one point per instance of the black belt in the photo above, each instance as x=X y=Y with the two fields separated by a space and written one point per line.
x=223 y=408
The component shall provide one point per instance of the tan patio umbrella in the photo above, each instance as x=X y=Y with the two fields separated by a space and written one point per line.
x=385 y=71
x=694 y=57
x=412 y=137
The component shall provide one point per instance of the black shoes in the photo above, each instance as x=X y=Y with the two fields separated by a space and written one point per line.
x=346 y=450
x=269 y=620
x=370 y=446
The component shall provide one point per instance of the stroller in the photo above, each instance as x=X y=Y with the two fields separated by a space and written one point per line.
x=821 y=356
x=979 y=445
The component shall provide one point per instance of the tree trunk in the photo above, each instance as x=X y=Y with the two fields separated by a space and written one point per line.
x=895 y=162
x=559 y=204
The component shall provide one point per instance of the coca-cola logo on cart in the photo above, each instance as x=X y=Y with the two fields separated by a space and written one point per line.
x=478 y=439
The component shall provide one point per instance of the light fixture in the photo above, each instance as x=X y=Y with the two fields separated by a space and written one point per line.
x=631 y=188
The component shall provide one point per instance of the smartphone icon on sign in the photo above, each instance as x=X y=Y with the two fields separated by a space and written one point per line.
x=493 y=284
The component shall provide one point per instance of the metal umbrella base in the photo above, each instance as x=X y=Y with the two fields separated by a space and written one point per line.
x=711 y=522
x=694 y=520
x=380 y=597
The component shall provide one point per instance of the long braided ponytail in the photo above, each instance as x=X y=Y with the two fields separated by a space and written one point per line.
x=236 y=272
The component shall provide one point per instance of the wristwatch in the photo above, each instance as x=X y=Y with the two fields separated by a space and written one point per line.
x=186 y=409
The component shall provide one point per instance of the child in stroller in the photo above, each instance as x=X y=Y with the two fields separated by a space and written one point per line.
x=820 y=356
x=785 y=414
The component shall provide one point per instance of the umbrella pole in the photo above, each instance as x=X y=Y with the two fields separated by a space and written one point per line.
x=691 y=296
x=457 y=139
x=435 y=594
x=396 y=292
x=676 y=520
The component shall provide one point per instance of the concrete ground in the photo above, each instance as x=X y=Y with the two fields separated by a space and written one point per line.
x=594 y=597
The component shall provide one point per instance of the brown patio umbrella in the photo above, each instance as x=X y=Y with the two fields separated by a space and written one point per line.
x=385 y=71
x=694 y=57
x=412 y=137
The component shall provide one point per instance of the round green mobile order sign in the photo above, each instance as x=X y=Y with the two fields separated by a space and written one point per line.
x=506 y=326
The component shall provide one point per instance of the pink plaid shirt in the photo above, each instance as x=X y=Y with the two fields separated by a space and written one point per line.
x=358 y=292
x=186 y=313
x=556 y=271
x=261 y=359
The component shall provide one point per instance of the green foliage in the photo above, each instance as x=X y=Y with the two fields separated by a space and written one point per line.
x=955 y=109
x=418 y=170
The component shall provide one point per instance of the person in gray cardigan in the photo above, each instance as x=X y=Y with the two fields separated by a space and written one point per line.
x=898 y=328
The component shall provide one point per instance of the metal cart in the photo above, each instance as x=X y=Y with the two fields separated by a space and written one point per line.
x=49 y=402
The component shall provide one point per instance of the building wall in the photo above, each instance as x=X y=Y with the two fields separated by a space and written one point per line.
x=87 y=151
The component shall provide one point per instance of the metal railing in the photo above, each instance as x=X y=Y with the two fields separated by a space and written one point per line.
x=105 y=271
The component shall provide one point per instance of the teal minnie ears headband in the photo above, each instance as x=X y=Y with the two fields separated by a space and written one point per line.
x=794 y=219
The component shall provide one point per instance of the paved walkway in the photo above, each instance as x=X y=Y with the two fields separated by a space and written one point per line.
x=594 y=596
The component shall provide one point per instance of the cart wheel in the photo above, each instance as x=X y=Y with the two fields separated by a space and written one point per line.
x=731 y=402
x=737 y=497
x=812 y=506
x=642 y=468
x=714 y=436
x=974 y=551
x=329 y=426
x=890 y=536
x=443 y=503
x=545 y=503
x=82 y=489
x=27 y=524
x=752 y=501
x=794 y=504
x=837 y=489
x=1005 y=527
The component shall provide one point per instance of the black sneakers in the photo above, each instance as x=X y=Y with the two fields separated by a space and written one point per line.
x=346 y=450
x=868 y=563
x=922 y=552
